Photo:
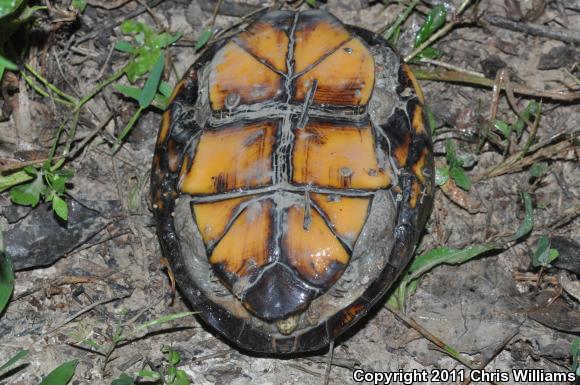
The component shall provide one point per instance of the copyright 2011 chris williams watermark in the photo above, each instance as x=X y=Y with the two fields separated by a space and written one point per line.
x=442 y=375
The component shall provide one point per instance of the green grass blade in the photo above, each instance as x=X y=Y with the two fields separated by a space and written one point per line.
x=435 y=20
x=204 y=38
x=152 y=83
x=17 y=357
x=61 y=375
x=445 y=255
x=9 y=6
x=400 y=19
x=6 y=278
x=162 y=320
x=528 y=223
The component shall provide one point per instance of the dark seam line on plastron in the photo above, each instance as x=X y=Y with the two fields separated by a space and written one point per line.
x=328 y=223
x=322 y=58
x=262 y=61
x=237 y=212
x=199 y=198
x=396 y=170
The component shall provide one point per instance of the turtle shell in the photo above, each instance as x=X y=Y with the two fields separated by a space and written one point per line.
x=292 y=175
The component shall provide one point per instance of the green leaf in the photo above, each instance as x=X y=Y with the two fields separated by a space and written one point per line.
x=444 y=255
x=450 y=153
x=17 y=357
x=60 y=207
x=541 y=255
x=124 y=46
x=435 y=20
x=132 y=92
x=79 y=4
x=164 y=40
x=162 y=320
x=166 y=89
x=392 y=35
x=8 y=64
x=430 y=53
x=575 y=352
x=181 y=378
x=149 y=374
x=404 y=290
x=58 y=183
x=206 y=34
x=131 y=26
x=8 y=7
x=128 y=91
x=528 y=223
x=16 y=178
x=311 y=3
x=6 y=278
x=123 y=379
x=532 y=109
x=460 y=178
x=173 y=357
x=538 y=169
x=152 y=83
x=61 y=375
x=441 y=175
x=503 y=127
x=28 y=194
x=30 y=170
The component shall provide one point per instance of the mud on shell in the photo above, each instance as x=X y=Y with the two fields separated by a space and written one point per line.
x=292 y=175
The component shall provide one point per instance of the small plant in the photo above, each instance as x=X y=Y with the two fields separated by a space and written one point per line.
x=539 y=169
x=8 y=365
x=454 y=169
x=6 y=277
x=528 y=223
x=544 y=255
x=13 y=15
x=575 y=352
x=61 y=375
x=48 y=185
x=506 y=129
x=429 y=260
x=167 y=375
x=146 y=48
x=435 y=20
x=120 y=335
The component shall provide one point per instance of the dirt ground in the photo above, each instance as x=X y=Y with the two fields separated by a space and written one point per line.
x=493 y=309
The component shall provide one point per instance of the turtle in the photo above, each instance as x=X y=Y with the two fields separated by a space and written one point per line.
x=291 y=179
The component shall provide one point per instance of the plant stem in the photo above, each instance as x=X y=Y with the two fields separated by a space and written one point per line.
x=400 y=19
x=50 y=86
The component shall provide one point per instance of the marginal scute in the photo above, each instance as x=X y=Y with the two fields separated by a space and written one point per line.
x=346 y=215
x=418 y=123
x=238 y=254
x=309 y=246
x=401 y=150
x=324 y=151
x=414 y=82
x=165 y=123
x=420 y=165
x=345 y=78
x=235 y=71
x=238 y=156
